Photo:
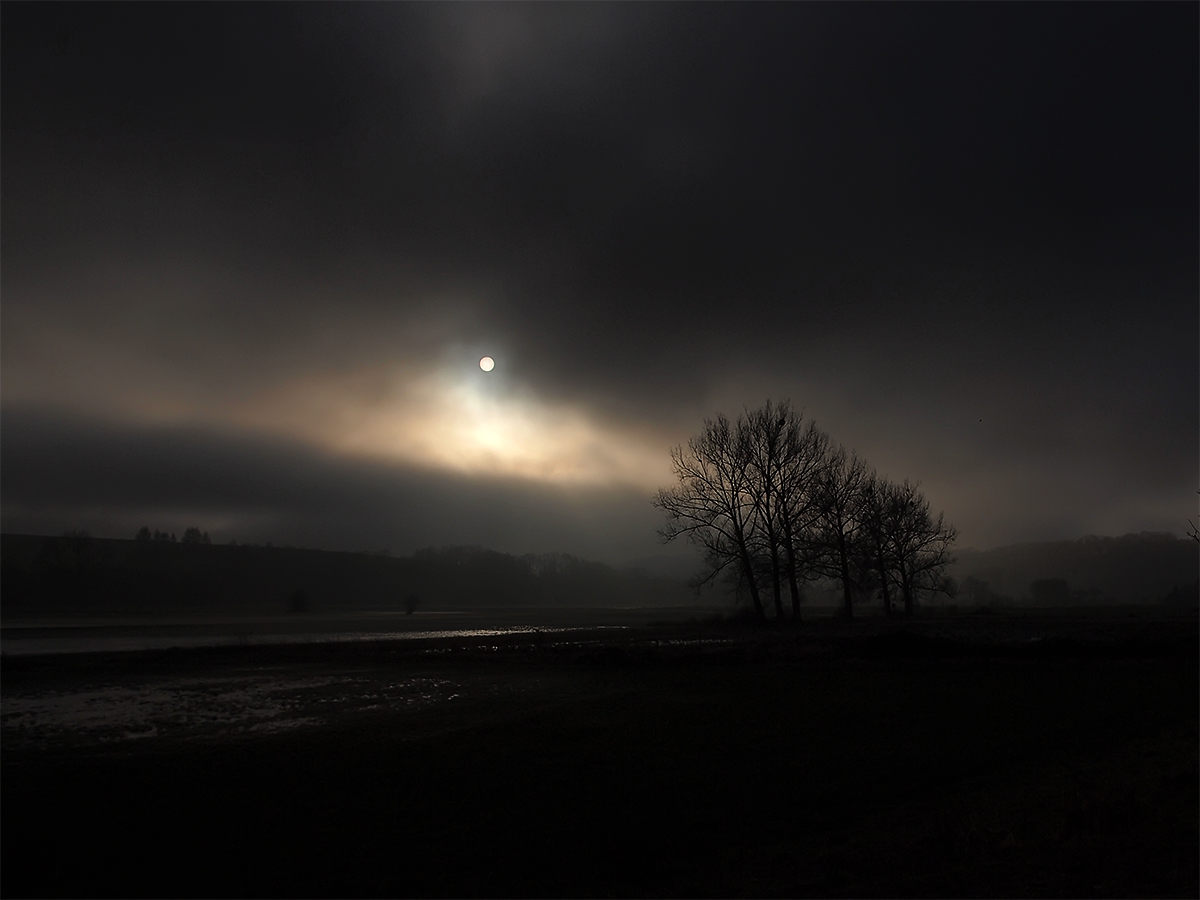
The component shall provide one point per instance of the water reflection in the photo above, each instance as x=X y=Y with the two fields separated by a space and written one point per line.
x=102 y=639
x=206 y=707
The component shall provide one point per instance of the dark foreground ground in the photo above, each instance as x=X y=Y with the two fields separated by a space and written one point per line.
x=972 y=758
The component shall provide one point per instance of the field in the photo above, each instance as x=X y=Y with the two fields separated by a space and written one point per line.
x=1008 y=755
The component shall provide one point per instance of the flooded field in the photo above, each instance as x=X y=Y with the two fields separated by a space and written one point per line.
x=205 y=707
x=1006 y=755
x=120 y=702
x=83 y=634
x=130 y=695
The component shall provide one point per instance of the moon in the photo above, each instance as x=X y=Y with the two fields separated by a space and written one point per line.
x=487 y=364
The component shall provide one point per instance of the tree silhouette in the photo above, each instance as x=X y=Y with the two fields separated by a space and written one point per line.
x=74 y=553
x=841 y=513
x=713 y=504
x=879 y=509
x=805 y=454
x=765 y=431
x=298 y=602
x=771 y=500
x=787 y=457
x=1050 y=591
x=920 y=544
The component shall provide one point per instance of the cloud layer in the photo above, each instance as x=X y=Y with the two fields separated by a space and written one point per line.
x=963 y=238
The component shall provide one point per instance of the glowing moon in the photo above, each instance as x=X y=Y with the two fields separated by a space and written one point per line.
x=487 y=364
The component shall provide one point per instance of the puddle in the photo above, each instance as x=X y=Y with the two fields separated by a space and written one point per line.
x=200 y=708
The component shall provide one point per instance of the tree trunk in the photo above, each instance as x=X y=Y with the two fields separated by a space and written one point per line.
x=883 y=583
x=794 y=588
x=847 y=599
x=775 y=587
x=797 y=597
x=748 y=569
x=793 y=582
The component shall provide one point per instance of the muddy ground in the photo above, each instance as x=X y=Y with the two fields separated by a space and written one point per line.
x=1013 y=755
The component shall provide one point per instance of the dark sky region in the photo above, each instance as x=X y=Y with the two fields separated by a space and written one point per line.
x=252 y=254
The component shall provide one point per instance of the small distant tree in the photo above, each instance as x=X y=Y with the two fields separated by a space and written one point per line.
x=298 y=602
x=1188 y=595
x=1050 y=592
x=74 y=553
x=195 y=536
x=976 y=591
x=144 y=534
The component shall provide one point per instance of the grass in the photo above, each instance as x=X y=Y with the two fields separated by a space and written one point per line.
x=767 y=767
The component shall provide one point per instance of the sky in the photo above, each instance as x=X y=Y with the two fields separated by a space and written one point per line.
x=251 y=255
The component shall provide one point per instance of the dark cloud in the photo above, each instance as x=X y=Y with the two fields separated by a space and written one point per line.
x=61 y=468
x=964 y=237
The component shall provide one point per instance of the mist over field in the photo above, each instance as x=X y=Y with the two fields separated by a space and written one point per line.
x=88 y=576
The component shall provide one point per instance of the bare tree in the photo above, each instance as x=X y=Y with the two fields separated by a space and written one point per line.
x=878 y=525
x=920 y=544
x=770 y=500
x=804 y=454
x=766 y=430
x=713 y=503
x=840 y=517
x=195 y=536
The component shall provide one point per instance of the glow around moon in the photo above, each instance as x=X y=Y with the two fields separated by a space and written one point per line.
x=487 y=364
x=446 y=421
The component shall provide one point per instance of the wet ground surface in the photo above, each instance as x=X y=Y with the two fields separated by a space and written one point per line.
x=31 y=635
x=217 y=691
x=206 y=707
x=1043 y=755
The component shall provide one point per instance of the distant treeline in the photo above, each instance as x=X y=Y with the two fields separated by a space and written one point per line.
x=78 y=572
x=1149 y=567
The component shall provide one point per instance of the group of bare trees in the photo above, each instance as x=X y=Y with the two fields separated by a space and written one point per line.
x=775 y=504
x=191 y=536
